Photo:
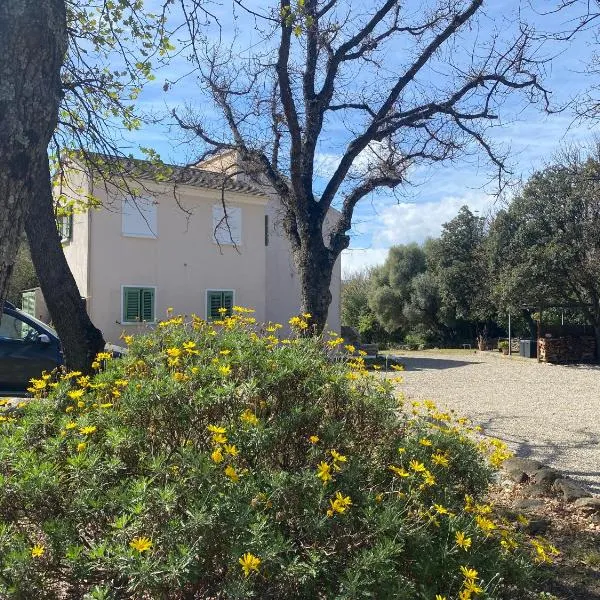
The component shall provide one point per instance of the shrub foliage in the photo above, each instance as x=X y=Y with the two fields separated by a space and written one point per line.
x=218 y=461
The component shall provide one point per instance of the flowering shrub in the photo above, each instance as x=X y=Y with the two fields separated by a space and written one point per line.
x=217 y=461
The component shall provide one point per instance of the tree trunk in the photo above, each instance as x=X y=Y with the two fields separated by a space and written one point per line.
x=33 y=42
x=315 y=269
x=81 y=341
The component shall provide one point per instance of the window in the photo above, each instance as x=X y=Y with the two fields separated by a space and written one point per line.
x=218 y=299
x=138 y=304
x=227 y=230
x=65 y=228
x=139 y=218
x=12 y=328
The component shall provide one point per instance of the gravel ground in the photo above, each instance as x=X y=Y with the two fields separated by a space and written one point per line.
x=547 y=412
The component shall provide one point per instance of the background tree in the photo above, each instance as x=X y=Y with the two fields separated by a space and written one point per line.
x=546 y=243
x=459 y=260
x=391 y=285
x=326 y=63
x=23 y=275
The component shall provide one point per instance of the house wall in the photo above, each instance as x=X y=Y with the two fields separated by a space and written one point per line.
x=183 y=262
x=283 y=286
x=77 y=249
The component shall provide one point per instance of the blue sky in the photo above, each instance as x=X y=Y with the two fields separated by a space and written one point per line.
x=436 y=192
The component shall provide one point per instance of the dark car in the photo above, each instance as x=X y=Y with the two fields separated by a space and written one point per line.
x=27 y=347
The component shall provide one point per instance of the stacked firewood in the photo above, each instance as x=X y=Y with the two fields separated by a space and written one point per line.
x=567 y=349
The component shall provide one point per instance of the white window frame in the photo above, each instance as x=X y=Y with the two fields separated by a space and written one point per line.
x=138 y=285
x=208 y=291
x=151 y=234
x=226 y=232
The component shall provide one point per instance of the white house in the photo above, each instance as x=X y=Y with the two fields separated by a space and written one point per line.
x=172 y=248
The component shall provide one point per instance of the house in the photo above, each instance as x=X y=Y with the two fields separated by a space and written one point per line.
x=172 y=246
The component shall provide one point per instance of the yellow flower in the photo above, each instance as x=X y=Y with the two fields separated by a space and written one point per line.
x=219 y=438
x=225 y=352
x=95 y=365
x=425 y=442
x=38 y=550
x=173 y=352
x=231 y=473
x=217 y=455
x=249 y=417
x=189 y=345
x=350 y=348
x=81 y=404
x=440 y=597
x=464 y=595
x=313 y=439
x=324 y=471
x=469 y=573
x=441 y=510
x=216 y=429
x=399 y=471
x=440 y=459
x=472 y=587
x=106 y=405
x=249 y=563
x=141 y=544
x=103 y=356
x=37 y=384
x=428 y=478
x=178 y=376
x=87 y=430
x=462 y=541
x=81 y=446
x=121 y=382
x=225 y=370
x=231 y=449
x=75 y=394
x=71 y=425
x=485 y=524
x=69 y=409
x=338 y=457
x=339 y=504
x=416 y=466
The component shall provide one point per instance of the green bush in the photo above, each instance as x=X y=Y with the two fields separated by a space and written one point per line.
x=215 y=461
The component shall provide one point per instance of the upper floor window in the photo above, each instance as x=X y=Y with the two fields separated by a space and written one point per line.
x=227 y=225
x=65 y=227
x=139 y=218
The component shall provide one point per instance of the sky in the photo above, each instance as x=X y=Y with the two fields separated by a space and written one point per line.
x=435 y=192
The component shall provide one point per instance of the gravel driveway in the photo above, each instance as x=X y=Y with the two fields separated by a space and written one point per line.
x=547 y=412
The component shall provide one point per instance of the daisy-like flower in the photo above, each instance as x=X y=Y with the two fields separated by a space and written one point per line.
x=88 y=430
x=217 y=455
x=216 y=429
x=249 y=417
x=462 y=541
x=249 y=563
x=399 y=471
x=231 y=473
x=324 y=471
x=38 y=550
x=141 y=544
x=313 y=439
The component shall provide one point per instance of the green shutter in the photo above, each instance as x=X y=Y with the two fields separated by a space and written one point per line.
x=227 y=301
x=131 y=304
x=147 y=303
x=214 y=304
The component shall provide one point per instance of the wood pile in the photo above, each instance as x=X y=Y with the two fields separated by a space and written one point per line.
x=570 y=349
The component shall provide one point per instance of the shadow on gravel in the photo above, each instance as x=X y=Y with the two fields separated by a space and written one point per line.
x=431 y=364
x=547 y=451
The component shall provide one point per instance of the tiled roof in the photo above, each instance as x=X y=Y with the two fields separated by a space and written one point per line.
x=143 y=169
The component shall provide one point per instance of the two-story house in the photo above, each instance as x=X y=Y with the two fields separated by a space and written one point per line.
x=172 y=246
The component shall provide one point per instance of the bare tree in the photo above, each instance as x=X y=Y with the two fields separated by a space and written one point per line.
x=408 y=87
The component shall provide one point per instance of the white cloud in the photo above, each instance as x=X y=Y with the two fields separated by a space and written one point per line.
x=408 y=222
x=356 y=259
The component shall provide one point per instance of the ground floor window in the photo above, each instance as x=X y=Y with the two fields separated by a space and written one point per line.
x=138 y=304
x=217 y=300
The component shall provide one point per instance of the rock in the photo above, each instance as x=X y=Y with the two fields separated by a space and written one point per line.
x=537 y=526
x=588 y=504
x=545 y=477
x=526 y=465
x=536 y=490
x=528 y=504
x=571 y=491
x=517 y=475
